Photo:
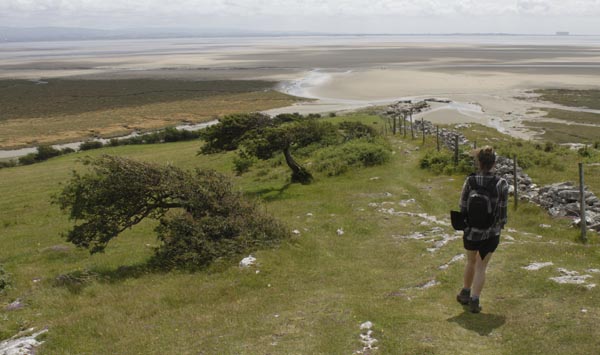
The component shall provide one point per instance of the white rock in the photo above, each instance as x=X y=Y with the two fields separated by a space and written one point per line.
x=583 y=310
x=545 y=226
x=248 y=261
x=366 y=325
x=296 y=232
x=429 y=284
x=309 y=214
x=21 y=346
x=593 y=271
x=374 y=178
x=340 y=231
x=567 y=279
x=537 y=266
x=508 y=237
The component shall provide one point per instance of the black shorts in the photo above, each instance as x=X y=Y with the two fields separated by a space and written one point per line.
x=483 y=246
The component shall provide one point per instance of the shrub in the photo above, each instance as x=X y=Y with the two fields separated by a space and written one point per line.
x=549 y=147
x=584 y=152
x=4 y=279
x=45 y=152
x=8 y=164
x=442 y=162
x=89 y=145
x=192 y=243
x=242 y=162
x=356 y=130
x=28 y=159
x=67 y=150
x=201 y=215
x=336 y=160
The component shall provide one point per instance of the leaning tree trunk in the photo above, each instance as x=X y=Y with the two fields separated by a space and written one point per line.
x=299 y=173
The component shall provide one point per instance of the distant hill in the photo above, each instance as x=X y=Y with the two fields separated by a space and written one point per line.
x=14 y=34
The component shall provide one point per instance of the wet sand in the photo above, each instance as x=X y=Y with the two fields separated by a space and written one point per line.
x=343 y=72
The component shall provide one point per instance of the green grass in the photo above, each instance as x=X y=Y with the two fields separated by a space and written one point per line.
x=570 y=97
x=572 y=116
x=313 y=292
x=565 y=133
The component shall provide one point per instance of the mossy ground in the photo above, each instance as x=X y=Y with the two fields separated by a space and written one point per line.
x=312 y=292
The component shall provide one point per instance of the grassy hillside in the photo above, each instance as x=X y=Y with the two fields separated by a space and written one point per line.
x=312 y=293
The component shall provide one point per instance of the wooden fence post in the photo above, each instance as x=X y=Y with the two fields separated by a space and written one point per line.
x=404 y=118
x=394 y=128
x=456 y=149
x=437 y=137
x=423 y=129
x=583 y=222
x=412 y=129
x=515 y=182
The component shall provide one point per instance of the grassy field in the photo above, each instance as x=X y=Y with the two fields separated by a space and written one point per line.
x=570 y=97
x=72 y=110
x=313 y=292
x=578 y=127
x=565 y=132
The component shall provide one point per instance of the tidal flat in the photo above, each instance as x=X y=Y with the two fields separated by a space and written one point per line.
x=491 y=80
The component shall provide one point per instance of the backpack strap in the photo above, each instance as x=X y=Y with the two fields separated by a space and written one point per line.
x=491 y=185
x=473 y=182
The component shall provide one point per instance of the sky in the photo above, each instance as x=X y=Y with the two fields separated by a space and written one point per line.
x=338 y=16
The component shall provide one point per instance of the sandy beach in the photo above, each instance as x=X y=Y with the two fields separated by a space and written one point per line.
x=487 y=78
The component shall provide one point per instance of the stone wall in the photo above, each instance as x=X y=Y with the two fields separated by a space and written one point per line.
x=559 y=199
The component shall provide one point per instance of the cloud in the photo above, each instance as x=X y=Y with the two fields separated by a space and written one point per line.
x=228 y=13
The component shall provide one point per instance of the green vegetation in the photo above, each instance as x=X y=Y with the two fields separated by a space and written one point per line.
x=258 y=136
x=4 y=279
x=573 y=116
x=360 y=152
x=71 y=97
x=214 y=220
x=442 y=162
x=314 y=290
x=75 y=110
x=578 y=127
x=565 y=133
x=568 y=97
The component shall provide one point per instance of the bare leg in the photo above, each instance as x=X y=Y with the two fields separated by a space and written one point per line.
x=479 y=277
x=470 y=268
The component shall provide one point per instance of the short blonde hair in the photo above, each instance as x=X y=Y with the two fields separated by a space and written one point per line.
x=485 y=157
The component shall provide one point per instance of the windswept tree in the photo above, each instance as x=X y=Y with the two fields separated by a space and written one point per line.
x=262 y=137
x=202 y=217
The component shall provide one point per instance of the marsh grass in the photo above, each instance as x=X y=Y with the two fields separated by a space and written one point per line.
x=589 y=98
x=565 y=133
x=100 y=110
x=312 y=292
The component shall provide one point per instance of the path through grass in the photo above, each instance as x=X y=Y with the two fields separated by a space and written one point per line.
x=312 y=293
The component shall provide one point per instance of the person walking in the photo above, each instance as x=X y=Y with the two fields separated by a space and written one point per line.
x=483 y=203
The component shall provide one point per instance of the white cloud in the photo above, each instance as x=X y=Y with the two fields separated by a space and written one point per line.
x=228 y=13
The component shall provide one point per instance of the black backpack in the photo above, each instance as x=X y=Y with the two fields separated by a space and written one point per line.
x=481 y=204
